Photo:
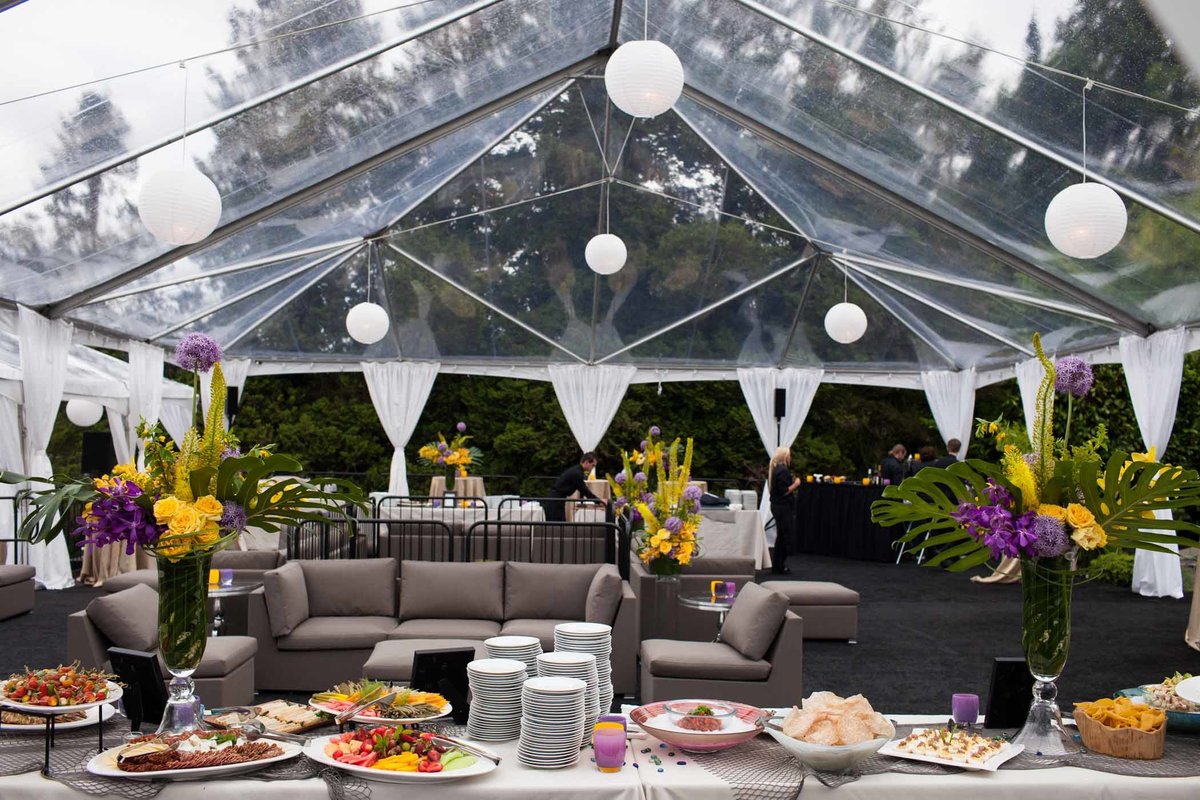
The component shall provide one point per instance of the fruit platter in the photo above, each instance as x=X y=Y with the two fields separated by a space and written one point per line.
x=398 y=754
x=48 y=691
x=408 y=705
x=189 y=756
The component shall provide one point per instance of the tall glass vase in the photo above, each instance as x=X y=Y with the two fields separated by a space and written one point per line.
x=1045 y=636
x=451 y=474
x=182 y=634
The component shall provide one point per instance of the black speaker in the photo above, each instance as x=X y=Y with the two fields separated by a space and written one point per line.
x=1009 y=694
x=780 y=403
x=98 y=455
x=231 y=403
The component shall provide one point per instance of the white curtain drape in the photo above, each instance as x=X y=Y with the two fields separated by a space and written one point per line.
x=1029 y=377
x=176 y=417
x=44 y=347
x=119 y=430
x=145 y=390
x=235 y=370
x=951 y=397
x=758 y=387
x=398 y=391
x=589 y=397
x=11 y=460
x=1154 y=370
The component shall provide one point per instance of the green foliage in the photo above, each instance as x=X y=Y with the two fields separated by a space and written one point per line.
x=1112 y=566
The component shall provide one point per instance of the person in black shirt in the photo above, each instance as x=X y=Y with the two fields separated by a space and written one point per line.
x=782 y=487
x=572 y=480
x=926 y=457
x=952 y=448
x=892 y=467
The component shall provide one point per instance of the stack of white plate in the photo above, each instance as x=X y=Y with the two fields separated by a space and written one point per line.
x=552 y=722
x=495 y=699
x=576 y=665
x=518 y=648
x=594 y=638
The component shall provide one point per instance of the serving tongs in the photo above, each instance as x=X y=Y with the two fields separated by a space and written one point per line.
x=467 y=747
x=372 y=698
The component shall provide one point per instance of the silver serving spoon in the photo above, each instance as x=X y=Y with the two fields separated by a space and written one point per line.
x=253 y=729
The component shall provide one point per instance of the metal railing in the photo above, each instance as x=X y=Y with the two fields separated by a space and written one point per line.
x=545 y=542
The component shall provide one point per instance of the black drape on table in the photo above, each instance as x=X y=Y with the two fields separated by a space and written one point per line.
x=835 y=520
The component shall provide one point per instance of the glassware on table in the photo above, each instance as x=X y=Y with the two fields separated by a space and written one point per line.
x=730 y=589
x=964 y=708
x=227 y=577
x=717 y=589
x=214 y=577
x=608 y=744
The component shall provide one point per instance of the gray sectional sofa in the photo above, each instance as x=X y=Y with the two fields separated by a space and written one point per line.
x=16 y=590
x=317 y=622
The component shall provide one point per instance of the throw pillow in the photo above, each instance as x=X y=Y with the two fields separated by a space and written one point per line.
x=604 y=595
x=754 y=620
x=286 y=596
x=128 y=618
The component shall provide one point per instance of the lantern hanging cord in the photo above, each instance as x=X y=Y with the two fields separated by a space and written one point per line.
x=1086 y=86
x=183 y=139
x=370 y=249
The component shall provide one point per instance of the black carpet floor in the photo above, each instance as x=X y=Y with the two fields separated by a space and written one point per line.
x=923 y=634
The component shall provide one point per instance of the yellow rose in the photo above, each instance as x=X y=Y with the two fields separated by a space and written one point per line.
x=664 y=547
x=209 y=506
x=1051 y=510
x=1091 y=537
x=165 y=509
x=1078 y=516
x=209 y=534
x=173 y=546
x=685 y=560
x=186 y=520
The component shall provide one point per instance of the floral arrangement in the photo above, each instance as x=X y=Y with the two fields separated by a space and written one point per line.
x=454 y=455
x=632 y=484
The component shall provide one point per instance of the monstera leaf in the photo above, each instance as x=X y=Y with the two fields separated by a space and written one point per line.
x=51 y=512
x=1125 y=495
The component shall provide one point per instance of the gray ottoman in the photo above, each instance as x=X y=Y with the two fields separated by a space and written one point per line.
x=16 y=590
x=829 y=610
x=392 y=660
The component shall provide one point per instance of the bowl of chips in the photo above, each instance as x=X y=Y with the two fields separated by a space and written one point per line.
x=1122 y=728
x=743 y=724
x=832 y=733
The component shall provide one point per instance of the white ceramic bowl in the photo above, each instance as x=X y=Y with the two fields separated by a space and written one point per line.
x=826 y=757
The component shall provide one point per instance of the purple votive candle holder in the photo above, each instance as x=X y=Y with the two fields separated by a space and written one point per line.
x=730 y=588
x=608 y=744
x=964 y=708
x=227 y=577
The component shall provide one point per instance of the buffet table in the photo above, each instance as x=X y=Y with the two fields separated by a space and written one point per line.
x=834 y=519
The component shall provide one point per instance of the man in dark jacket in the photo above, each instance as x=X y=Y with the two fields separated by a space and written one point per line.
x=572 y=480
x=893 y=468
x=952 y=448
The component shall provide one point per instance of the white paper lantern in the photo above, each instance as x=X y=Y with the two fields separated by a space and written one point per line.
x=845 y=323
x=84 y=413
x=605 y=253
x=1086 y=220
x=367 y=323
x=179 y=206
x=644 y=78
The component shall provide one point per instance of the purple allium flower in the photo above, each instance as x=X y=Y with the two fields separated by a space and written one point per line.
x=645 y=444
x=233 y=517
x=1073 y=375
x=655 y=432
x=620 y=478
x=1051 y=537
x=639 y=477
x=620 y=502
x=230 y=452
x=197 y=352
x=116 y=517
x=635 y=516
x=673 y=524
x=443 y=447
x=692 y=493
x=462 y=427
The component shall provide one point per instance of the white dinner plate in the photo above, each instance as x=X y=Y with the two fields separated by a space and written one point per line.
x=105 y=765
x=315 y=750
x=1189 y=689
x=1008 y=751
x=368 y=719
x=89 y=718
x=114 y=694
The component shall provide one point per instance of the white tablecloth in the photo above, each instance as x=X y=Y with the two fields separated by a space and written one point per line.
x=693 y=782
x=725 y=533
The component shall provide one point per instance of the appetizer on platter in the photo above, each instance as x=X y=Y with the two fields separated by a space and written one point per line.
x=951 y=744
x=278 y=716
x=1123 y=713
x=408 y=704
x=700 y=718
x=829 y=719
x=17 y=718
x=398 y=749
x=1162 y=695
x=57 y=686
x=192 y=751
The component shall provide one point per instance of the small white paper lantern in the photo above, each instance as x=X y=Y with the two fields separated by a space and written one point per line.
x=605 y=253
x=845 y=323
x=84 y=413
x=1086 y=220
x=644 y=78
x=367 y=323
x=179 y=206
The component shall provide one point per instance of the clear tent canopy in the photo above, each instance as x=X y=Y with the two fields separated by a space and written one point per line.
x=450 y=159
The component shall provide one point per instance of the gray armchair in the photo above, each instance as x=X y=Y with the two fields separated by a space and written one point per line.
x=661 y=615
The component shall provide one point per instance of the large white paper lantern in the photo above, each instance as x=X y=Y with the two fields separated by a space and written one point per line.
x=644 y=78
x=845 y=323
x=179 y=206
x=605 y=253
x=84 y=413
x=367 y=323
x=1086 y=220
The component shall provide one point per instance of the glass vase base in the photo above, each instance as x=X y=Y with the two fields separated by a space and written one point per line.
x=183 y=711
x=1044 y=734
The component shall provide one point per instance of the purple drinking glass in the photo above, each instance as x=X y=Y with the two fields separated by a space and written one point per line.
x=965 y=709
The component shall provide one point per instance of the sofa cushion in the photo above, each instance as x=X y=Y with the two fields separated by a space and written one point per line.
x=814 y=593
x=543 y=629
x=361 y=587
x=128 y=619
x=754 y=620
x=604 y=595
x=119 y=583
x=287 y=598
x=720 y=567
x=15 y=573
x=448 y=590
x=224 y=654
x=392 y=660
x=446 y=629
x=667 y=658
x=337 y=633
x=248 y=559
x=547 y=591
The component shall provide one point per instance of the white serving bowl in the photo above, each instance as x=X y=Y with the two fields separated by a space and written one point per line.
x=827 y=757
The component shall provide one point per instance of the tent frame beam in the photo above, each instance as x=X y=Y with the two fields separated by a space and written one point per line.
x=915 y=327
x=61 y=307
x=1121 y=317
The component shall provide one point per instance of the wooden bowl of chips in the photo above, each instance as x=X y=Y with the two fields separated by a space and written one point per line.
x=1122 y=728
x=831 y=733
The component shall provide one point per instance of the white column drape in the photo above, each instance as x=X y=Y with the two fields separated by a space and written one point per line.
x=1029 y=377
x=1154 y=370
x=399 y=390
x=44 y=347
x=235 y=371
x=145 y=390
x=951 y=397
x=176 y=417
x=589 y=397
x=119 y=430
x=11 y=460
x=758 y=387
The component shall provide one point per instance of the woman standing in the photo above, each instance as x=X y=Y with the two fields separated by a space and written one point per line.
x=783 y=508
